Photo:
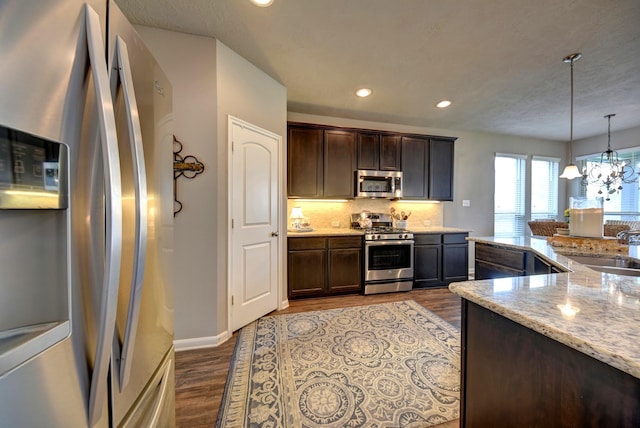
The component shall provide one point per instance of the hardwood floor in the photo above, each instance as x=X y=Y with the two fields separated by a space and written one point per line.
x=201 y=374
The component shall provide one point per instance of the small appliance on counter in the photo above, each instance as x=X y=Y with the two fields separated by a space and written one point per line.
x=388 y=253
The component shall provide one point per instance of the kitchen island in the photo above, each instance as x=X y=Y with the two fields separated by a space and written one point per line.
x=558 y=349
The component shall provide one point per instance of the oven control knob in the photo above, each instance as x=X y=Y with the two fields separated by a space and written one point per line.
x=377 y=237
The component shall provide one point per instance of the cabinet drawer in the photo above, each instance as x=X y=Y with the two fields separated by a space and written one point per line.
x=306 y=243
x=506 y=257
x=345 y=242
x=427 y=239
x=455 y=238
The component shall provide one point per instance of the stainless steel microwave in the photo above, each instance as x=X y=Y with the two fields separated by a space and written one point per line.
x=378 y=184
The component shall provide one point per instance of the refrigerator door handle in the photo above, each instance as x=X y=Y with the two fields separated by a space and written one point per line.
x=113 y=216
x=121 y=73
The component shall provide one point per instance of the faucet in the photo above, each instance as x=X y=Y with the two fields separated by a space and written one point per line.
x=631 y=237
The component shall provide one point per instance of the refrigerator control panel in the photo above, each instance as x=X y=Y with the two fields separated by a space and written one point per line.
x=31 y=172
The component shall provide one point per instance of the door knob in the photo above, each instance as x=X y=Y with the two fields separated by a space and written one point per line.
x=274 y=233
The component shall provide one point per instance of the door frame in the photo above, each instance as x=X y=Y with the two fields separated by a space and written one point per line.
x=281 y=221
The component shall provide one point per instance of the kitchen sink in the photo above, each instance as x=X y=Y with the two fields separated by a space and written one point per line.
x=615 y=261
x=616 y=265
x=616 y=270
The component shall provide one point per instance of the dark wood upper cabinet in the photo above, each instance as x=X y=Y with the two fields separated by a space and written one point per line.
x=441 y=170
x=379 y=152
x=322 y=160
x=339 y=163
x=368 y=149
x=305 y=162
x=390 y=149
x=427 y=168
x=415 y=167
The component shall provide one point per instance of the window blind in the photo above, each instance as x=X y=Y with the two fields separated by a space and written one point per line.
x=509 y=193
x=544 y=187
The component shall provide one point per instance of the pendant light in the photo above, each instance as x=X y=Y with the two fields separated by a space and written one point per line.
x=571 y=170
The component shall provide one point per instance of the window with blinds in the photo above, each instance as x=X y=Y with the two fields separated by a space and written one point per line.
x=623 y=205
x=544 y=187
x=509 y=194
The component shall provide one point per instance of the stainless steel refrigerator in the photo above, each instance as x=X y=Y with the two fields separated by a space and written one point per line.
x=86 y=220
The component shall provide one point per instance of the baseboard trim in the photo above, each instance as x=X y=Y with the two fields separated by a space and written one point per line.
x=201 y=342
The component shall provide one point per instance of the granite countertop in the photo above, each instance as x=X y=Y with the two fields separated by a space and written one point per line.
x=329 y=231
x=606 y=326
x=437 y=229
x=342 y=231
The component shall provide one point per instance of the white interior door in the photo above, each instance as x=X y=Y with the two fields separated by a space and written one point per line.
x=254 y=214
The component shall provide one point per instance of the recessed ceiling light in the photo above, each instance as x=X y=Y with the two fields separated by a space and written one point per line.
x=262 y=3
x=363 y=92
x=443 y=104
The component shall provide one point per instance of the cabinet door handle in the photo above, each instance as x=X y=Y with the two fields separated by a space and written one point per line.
x=274 y=234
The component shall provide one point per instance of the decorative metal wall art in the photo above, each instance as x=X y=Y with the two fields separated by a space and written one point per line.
x=186 y=166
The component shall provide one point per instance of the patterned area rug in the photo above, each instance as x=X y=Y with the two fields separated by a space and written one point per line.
x=385 y=365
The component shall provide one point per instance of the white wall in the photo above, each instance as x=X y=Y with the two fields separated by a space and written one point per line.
x=247 y=93
x=623 y=139
x=210 y=82
x=190 y=64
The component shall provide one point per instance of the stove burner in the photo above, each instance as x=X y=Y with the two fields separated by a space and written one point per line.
x=382 y=228
x=387 y=233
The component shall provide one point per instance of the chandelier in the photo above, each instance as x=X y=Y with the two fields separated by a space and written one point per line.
x=610 y=173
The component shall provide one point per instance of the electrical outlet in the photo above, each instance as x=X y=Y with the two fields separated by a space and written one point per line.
x=427 y=222
x=335 y=224
x=466 y=203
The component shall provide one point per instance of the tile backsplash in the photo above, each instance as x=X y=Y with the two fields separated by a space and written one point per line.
x=323 y=214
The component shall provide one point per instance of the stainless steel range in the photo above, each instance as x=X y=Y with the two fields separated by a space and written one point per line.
x=388 y=254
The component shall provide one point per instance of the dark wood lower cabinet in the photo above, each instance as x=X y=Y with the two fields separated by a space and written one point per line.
x=307 y=272
x=493 y=261
x=440 y=258
x=345 y=272
x=513 y=376
x=321 y=266
x=428 y=261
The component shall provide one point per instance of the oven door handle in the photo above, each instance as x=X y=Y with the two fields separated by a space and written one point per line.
x=389 y=242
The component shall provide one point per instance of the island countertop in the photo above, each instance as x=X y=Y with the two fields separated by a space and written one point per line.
x=606 y=324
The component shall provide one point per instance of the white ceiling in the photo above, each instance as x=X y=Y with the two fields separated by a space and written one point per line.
x=499 y=61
